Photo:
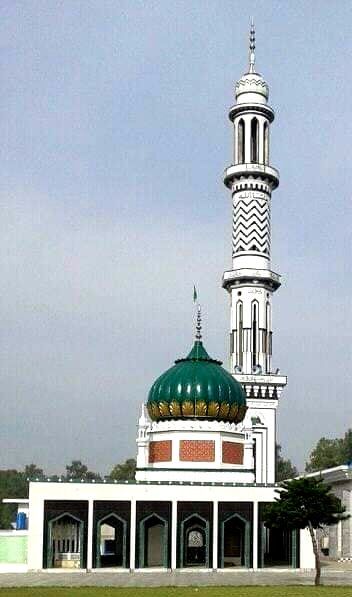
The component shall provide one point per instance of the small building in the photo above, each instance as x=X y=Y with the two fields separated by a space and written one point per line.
x=335 y=541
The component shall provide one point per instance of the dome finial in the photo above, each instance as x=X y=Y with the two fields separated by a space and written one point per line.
x=252 y=47
x=198 y=335
x=199 y=324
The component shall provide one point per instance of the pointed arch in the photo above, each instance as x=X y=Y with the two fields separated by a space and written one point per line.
x=239 y=548
x=266 y=143
x=68 y=539
x=239 y=325
x=240 y=141
x=153 y=541
x=255 y=330
x=254 y=139
x=120 y=526
x=195 y=523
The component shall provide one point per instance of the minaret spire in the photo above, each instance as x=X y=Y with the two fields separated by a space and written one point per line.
x=198 y=335
x=252 y=47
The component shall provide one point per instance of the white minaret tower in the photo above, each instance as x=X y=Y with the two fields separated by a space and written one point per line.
x=251 y=282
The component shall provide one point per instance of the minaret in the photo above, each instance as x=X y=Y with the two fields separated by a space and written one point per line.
x=251 y=282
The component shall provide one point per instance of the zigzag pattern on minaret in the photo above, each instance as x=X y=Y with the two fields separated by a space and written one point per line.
x=251 y=225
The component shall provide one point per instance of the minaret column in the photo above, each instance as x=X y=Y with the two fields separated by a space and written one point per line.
x=251 y=283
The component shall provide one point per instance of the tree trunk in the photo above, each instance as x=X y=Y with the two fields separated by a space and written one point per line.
x=316 y=554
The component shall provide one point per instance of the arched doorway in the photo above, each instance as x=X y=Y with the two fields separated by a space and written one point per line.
x=195 y=542
x=65 y=542
x=111 y=542
x=235 y=548
x=153 y=542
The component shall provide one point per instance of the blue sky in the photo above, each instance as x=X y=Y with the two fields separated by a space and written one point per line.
x=114 y=136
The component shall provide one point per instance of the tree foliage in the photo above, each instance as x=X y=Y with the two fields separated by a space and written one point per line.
x=78 y=470
x=13 y=484
x=330 y=452
x=124 y=471
x=284 y=467
x=305 y=503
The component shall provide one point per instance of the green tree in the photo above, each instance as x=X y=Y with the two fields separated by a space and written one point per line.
x=78 y=470
x=305 y=503
x=14 y=484
x=347 y=447
x=284 y=467
x=329 y=452
x=124 y=471
x=32 y=471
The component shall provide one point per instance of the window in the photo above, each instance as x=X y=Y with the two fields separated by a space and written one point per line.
x=254 y=333
x=240 y=142
x=266 y=143
x=254 y=140
x=240 y=333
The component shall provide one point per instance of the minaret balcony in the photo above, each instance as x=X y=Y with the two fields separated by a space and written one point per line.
x=249 y=276
x=246 y=171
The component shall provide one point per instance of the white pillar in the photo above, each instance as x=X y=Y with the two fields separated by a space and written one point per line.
x=255 y=535
x=36 y=528
x=133 y=536
x=90 y=536
x=215 y=534
x=174 y=535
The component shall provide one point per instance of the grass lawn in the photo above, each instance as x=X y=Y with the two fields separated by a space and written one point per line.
x=179 y=592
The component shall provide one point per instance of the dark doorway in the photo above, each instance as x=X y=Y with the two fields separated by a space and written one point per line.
x=111 y=542
x=153 y=542
x=195 y=542
x=234 y=542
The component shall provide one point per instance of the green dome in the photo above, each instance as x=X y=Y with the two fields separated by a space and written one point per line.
x=197 y=387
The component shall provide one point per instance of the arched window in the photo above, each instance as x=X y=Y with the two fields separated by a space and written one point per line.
x=254 y=140
x=239 y=358
x=240 y=142
x=266 y=143
x=255 y=308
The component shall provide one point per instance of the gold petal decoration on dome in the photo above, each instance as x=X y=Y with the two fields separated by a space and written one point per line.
x=213 y=409
x=241 y=413
x=233 y=412
x=175 y=408
x=188 y=408
x=224 y=410
x=164 y=409
x=153 y=410
x=201 y=408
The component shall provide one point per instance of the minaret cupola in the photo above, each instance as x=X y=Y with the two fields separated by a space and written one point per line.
x=251 y=117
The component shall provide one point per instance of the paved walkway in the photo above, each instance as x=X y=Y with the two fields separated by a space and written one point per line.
x=156 y=578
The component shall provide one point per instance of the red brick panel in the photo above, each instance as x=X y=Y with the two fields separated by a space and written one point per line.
x=197 y=450
x=232 y=453
x=160 y=451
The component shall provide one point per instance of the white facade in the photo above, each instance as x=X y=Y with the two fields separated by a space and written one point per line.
x=201 y=484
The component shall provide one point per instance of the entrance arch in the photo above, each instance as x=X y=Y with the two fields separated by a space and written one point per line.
x=65 y=541
x=235 y=542
x=153 y=542
x=195 y=542
x=111 y=542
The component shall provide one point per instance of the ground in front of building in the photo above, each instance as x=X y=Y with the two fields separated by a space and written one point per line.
x=292 y=591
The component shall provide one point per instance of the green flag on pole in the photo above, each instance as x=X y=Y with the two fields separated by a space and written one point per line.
x=195 y=295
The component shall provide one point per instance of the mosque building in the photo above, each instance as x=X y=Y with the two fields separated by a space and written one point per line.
x=206 y=436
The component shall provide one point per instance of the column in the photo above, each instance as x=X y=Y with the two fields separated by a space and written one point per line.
x=133 y=536
x=174 y=535
x=255 y=535
x=90 y=535
x=215 y=534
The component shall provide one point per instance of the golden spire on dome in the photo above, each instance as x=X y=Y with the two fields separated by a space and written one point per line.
x=199 y=323
x=252 y=47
